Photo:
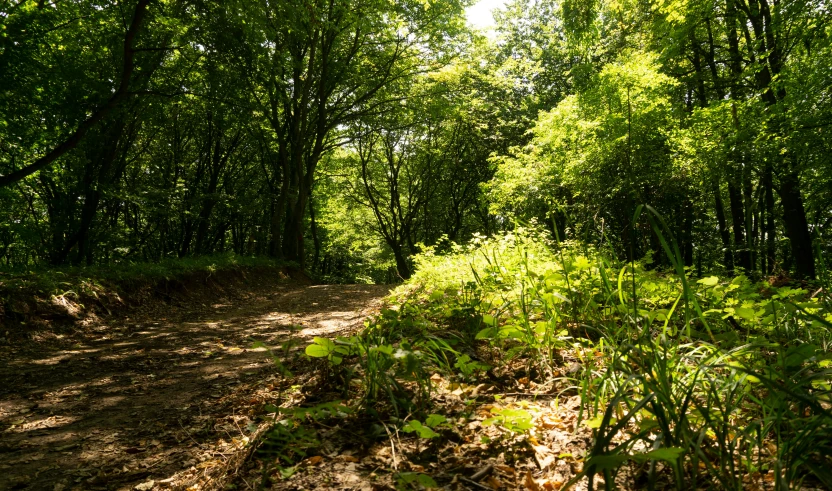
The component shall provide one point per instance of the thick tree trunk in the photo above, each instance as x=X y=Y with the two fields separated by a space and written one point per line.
x=98 y=175
x=204 y=222
x=797 y=227
x=757 y=219
x=293 y=241
x=771 y=53
x=279 y=206
x=402 y=266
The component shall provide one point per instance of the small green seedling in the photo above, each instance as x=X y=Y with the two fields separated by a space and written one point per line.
x=411 y=480
x=513 y=420
x=426 y=430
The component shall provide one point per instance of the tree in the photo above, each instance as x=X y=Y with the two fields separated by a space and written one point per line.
x=319 y=65
x=11 y=58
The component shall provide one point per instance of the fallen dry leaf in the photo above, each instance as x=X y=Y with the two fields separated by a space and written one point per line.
x=145 y=486
x=543 y=456
x=314 y=460
x=552 y=485
x=530 y=483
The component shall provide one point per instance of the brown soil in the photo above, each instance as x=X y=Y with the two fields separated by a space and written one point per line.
x=166 y=397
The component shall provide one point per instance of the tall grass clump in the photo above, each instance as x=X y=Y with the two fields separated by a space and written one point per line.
x=686 y=382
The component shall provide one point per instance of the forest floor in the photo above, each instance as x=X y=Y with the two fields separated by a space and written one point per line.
x=168 y=397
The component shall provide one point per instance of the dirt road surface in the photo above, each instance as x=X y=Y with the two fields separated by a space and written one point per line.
x=161 y=400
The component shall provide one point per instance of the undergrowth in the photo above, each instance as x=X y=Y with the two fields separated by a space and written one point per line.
x=685 y=382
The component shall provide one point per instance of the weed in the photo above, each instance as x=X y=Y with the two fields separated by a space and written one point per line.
x=717 y=378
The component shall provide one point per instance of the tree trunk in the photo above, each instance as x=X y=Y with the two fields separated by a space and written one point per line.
x=769 y=225
x=724 y=234
x=402 y=267
x=750 y=234
x=316 y=240
x=797 y=227
x=738 y=225
x=687 y=233
x=97 y=176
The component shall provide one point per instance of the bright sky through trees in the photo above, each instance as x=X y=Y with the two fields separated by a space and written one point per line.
x=479 y=15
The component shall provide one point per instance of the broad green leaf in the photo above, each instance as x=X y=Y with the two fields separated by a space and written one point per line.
x=320 y=348
x=745 y=313
x=709 y=281
x=434 y=420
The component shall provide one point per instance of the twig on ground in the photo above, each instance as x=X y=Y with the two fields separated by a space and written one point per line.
x=474 y=483
x=482 y=472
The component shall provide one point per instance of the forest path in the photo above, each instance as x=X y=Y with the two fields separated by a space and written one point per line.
x=164 y=396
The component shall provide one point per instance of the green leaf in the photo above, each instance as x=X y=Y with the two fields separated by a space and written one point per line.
x=320 y=348
x=422 y=430
x=669 y=454
x=595 y=422
x=709 y=281
x=317 y=351
x=487 y=333
x=427 y=481
x=435 y=419
x=582 y=262
x=745 y=313
x=605 y=462
x=413 y=477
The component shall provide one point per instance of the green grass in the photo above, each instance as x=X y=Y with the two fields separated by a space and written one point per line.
x=696 y=382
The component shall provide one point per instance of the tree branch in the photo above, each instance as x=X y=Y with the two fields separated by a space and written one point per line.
x=120 y=94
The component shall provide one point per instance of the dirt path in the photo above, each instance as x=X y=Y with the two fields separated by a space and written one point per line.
x=165 y=397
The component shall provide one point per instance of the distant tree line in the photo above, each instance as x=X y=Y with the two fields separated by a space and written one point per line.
x=346 y=135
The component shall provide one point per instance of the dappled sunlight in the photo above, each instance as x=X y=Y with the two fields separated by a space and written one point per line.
x=334 y=322
x=159 y=379
x=51 y=422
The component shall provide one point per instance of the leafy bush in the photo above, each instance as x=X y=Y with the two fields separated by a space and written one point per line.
x=717 y=377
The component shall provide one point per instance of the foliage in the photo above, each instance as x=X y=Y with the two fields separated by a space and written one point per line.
x=364 y=140
x=715 y=377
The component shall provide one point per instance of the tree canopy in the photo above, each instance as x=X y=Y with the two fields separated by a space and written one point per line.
x=143 y=130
